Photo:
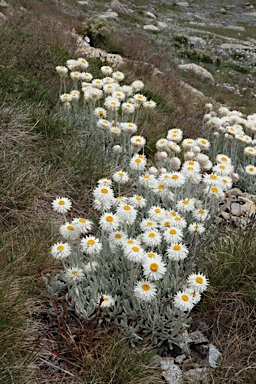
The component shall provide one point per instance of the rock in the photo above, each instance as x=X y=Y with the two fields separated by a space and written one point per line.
x=183 y=4
x=235 y=192
x=151 y=27
x=236 y=209
x=166 y=362
x=252 y=14
x=3 y=18
x=180 y=358
x=236 y=46
x=198 y=70
x=149 y=14
x=248 y=208
x=192 y=90
x=83 y=2
x=196 y=337
x=162 y=25
x=3 y=4
x=109 y=15
x=225 y=215
x=197 y=375
x=214 y=357
x=223 y=10
x=173 y=374
x=120 y=8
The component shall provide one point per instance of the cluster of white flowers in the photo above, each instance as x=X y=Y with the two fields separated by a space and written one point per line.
x=236 y=135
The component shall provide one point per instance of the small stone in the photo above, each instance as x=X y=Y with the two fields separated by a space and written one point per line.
x=192 y=90
x=3 y=4
x=249 y=208
x=149 y=14
x=120 y=8
x=151 y=27
x=166 y=362
x=162 y=24
x=236 y=209
x=198 y=70
x=223 y=10
x=3 y=18
x=180 y=358
x=109 y=15
x=214 y=357
x=83 y=2
x=173 y=374
x=197 y=375
x=236 y=46
x=225 y=215
x=183 y=4
x=197 y=337
x=235 y=192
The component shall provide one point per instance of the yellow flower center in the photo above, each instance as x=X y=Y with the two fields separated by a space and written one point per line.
x=149 y=224
x=127 y=208
x=201 y=211
x=61 y=202
x=81 y=220
x=175 y=177
x=146 y=176
x=70 y=228
x=109 y=219
x=91 y=242
x=118 y=236
x=104 y=191
x=60 y=248
x=213 y=177
x=203 y=142
x=222 y=167
x=106 y=299
x=145 y=287
x=137 y=160
x=135 y=249
x=160 y=186
x=151 y=234
x=191 y=162
x=214 y=189
x=251 y=169
x=138 y=198
x=224 y=159
x=151 y=255
x=74 y=273
x=167 y=224
x=185 y=202
x=176 y=247
x=173 y=213
x=185 y=297
x=154 y=267
x=121 y=174
x=172 y=231
x=157 y=210
x=130 y=241
x=138 y=140
x=199 y=280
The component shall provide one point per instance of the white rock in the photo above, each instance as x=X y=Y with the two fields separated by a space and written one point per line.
x=192 y=90
x=3 y=18
x=149 y=14
x=162 y=24
x=120 y=8
x=151 y=27
x=83 y=2
x=214 y=356
x=198 y=70
x=173 y=374
x=183 y=4
x=236 y=46
x=109 y=15
x=3 y=4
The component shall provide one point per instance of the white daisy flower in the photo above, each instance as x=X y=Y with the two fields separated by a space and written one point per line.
x=65 y=98
x=211 y=179
x=162 y=144
x=196 y=228
x=104 y=194
x=195 y=295
x=198 y=282
x=61 y=205
x=176 y=180
x=112 y=103
x=106 y=70
x=117 y=149
x=74 y=275
x=134 y=252
x=126 y=213
x=150 y=104
x=153 y=256
x=75 y=95
x=109 y=88
x=108 y=79
x=148 y=224
x=85 y=76
x=127 y=89
x=69 y=232
x=137 y=201
x=91 y=245
x=183 y=301
x=115 y=131
x=151 y=238
x=200 y=214
x=156 y=213
x=106 y=301
x=72 y=65
x=121 y=177
x=82 y=225
x=174 y=147
x=250 y=170
x=250 y=151
x=154 y=269
x=98 y=83
x=173 y=235
x=138 y=141
x=61 y=70
x=225 y=182
x=188 y=144
x=117 y=238
x=185 y=205
x=61 y=251
x=102 y=206
x=215 y=192
x=109 y=222
x=203 y=143
x=148 y=180
x=138 y=162
x=118 y=76
x=100 y=113
x=177 y=252
x=103 y=124
x=129 y=127
x=140 y=98
x=191 y=163
x=137 y=85
x=75 y=75
x=145 y=290
x=179 y=222
x=223 y=169
x=82 y=63
x=119 y=95
x=127 y=107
